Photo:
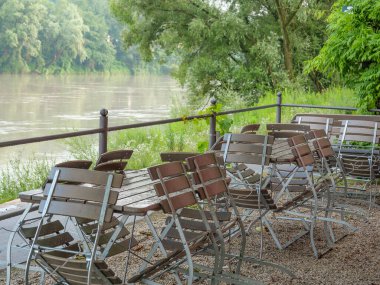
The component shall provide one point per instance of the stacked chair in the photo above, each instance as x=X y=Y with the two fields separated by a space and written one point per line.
x=256 y=150
x=358 y=152
x=194 y=225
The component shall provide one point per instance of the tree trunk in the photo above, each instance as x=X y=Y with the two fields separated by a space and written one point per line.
x=287 y=50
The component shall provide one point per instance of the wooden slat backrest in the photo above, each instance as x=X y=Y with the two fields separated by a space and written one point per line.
x=322 y=144
x=176 y=156
x=86 y=176
x=286 y=130
x=301 y=150
x=80 y=193
x=82 y=164
x=247 y=148
x=173 y=184
x=122 y=154
x=315 y=123
x=209 y=174
x=361 y=131
x=250 y=129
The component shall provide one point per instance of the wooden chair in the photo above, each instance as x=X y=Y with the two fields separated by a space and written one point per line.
x=113 y=160
x=316 y=123
x=50 y=229
x=250 y=129
x=78 y=194
x=189 y=229
x=81 y=164
x=359 y=154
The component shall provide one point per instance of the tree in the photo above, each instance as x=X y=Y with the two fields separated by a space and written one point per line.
x=19 y=38
x=244 y=46
x=353 y=48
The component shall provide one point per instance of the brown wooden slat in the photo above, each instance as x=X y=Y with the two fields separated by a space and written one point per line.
x=194 y=214
x=111 y=166
x=194 y=225
x=166 y=170
x=46 y=229
x=86 y=176
x=104 y=238
x=115 y=155
x=89 y=227
x=95 y=194
x=122 y=246
x=250 y=129
x=360 y=138
x=245 y=147
x=87 y=211
x=201 y=160
x=244 y=158
x=180 y=201
x=83 y=164
x=249 y=138
x=57 y=240
x=288 y=127
x=176 y=156
x=189 y=235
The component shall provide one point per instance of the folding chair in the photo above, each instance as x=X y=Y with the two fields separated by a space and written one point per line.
x=250 y=129
x=83 y=194
x=253 y=150
x=113 y=160
x=188 y=232
x=316 y=123
x=212 y=188
x=26 y=232
x=358 y=152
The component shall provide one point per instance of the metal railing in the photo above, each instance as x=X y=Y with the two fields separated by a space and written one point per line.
x=104 y=129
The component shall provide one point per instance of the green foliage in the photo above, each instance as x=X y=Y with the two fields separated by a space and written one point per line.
x=353 y=49
x=228 y=45
x=63 y=36
x=19 y=176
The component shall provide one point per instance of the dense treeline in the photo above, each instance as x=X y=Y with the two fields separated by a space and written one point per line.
x=63 y=36
x=245 y=47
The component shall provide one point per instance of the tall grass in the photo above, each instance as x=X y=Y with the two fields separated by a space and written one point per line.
x=19 y=176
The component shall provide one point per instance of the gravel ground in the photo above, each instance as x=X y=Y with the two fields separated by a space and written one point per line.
x=354 y=260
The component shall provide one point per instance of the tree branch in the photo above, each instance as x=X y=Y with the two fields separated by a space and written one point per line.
x=290 y=18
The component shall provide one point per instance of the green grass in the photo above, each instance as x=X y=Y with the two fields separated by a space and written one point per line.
x=147 y=143
x=19 y=176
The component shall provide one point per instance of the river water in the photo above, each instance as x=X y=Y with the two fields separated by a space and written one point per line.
x=36 y=106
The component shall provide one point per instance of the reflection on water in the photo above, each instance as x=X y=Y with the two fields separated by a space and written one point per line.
x=36 y=105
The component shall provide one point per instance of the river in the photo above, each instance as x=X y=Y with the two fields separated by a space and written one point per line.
x=34 y=105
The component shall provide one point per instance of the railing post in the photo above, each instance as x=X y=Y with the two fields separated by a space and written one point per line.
x=279 y=102
x=212 y=126
x=103 y=124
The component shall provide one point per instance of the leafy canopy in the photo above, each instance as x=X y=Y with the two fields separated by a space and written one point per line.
x=353 y=48
x=234 y=45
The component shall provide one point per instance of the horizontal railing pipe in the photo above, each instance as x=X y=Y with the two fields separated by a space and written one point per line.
x=246 y=109
x=320 y=107
x=50 y=138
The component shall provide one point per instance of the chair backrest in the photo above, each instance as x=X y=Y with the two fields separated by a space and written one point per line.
x=82 y=164
x=283 y=131
x=359 y=131
x=113 y=160
x=316 y=123
x=176 y=156
x=80 y=193
x=250 y=129
x=321 y=143
x=206 y=171
x=174 y=185
x=301 y=151
x=247 y=148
